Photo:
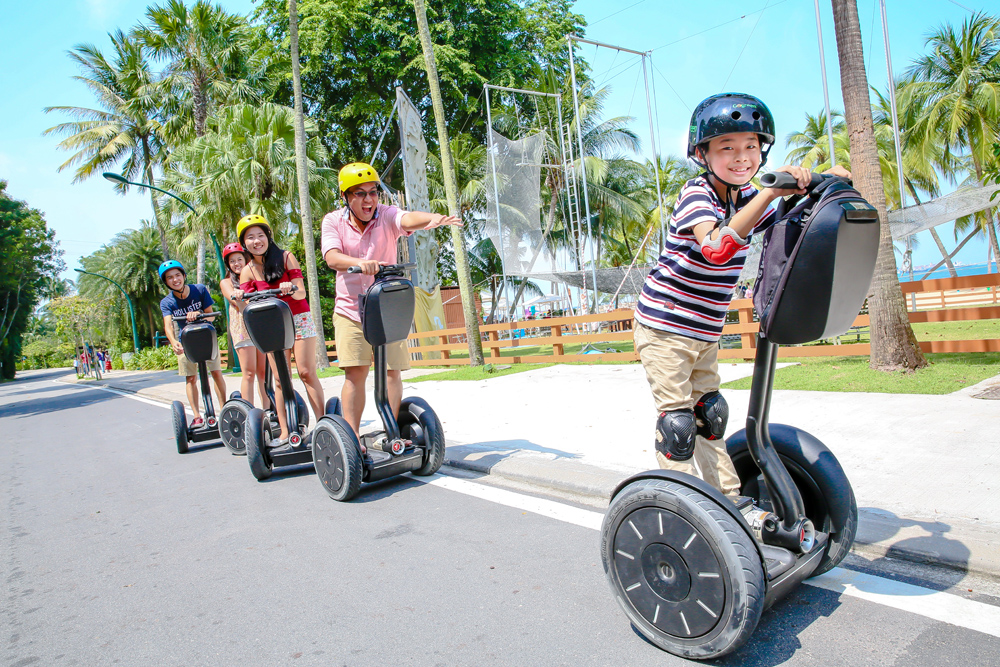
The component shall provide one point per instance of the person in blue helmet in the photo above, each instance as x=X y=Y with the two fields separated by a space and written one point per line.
x=187 y=300
x=684 y=300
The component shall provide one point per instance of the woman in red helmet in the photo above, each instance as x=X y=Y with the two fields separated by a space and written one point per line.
x=252 y=360
x=270 y=267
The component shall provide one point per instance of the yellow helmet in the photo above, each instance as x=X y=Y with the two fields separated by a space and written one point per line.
x=251 y=220
x=356 y=173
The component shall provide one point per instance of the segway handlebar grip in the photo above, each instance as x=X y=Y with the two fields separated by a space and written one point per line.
x=201 y=317
x=780 y=180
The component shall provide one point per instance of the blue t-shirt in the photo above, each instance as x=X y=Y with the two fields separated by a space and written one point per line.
x=198 y=299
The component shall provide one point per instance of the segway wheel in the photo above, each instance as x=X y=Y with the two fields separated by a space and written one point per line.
x=236 y=394
x=333 y=407
x=829 y=499
x=418 y=422
x=303 y=412
x=258 y=439
x=688 y=577
x=180 y=427
x=233 y=425
x=337 y=458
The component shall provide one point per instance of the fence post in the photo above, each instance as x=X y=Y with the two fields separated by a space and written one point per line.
x=445 y=354
x=557 y=348
x=747 y=340
x=494 y=349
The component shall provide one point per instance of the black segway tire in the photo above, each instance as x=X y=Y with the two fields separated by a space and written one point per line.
x=687 y=576
x=180 y=426
x=333 y=406
x=337 y=458
x=418 y=422
x=233 y=425
x=236 y=394
x=829 y=499
x=303 y=413
x=258 y=439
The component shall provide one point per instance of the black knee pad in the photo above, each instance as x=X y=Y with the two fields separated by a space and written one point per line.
x=675 y=434
x=713 y=412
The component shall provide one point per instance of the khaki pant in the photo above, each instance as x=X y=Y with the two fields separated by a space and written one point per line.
x=681 y=370
x=188 y=368
x=354 y=350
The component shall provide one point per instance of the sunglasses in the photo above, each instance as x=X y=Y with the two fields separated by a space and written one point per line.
x=365 y=194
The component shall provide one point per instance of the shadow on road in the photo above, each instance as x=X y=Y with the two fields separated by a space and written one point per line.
x=40 y=406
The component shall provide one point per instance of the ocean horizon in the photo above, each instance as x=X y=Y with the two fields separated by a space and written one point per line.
x=942 y=271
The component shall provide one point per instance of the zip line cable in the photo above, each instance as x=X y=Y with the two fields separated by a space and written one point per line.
x=616 y=13
x=682 y=39
x=745 y=45
x=674 y=90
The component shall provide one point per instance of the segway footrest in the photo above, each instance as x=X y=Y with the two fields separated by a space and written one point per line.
x=380 y=465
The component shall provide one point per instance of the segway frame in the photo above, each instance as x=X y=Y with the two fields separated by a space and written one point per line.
x=200 y=343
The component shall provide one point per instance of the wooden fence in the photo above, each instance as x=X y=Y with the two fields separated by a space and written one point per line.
x=944 y=300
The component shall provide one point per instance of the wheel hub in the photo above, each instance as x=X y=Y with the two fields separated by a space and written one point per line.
x=669 y=572
x=329 y=462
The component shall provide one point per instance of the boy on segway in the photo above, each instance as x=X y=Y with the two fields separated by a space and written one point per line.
x=685 y=298
x=364 y=234
x=190 y=301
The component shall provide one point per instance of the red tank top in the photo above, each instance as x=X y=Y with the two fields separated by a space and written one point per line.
x=297 y=306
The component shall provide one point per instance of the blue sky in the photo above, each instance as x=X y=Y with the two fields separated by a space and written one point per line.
x=699 y=48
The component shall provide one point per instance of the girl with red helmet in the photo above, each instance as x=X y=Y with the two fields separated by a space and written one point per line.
x=252 y=360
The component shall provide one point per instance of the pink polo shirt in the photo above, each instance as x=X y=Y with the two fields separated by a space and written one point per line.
x=377 y=242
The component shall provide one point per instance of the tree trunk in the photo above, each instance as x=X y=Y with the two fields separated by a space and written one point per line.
x=200 y=266
x=893 y=345
x=305 y=208
x=944 y=252
x=990 y=231
x=161 y=226
x=451 y=189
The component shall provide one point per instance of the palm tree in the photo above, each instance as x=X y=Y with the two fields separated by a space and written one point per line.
x=208 y=62
x=959 y=79
x=125 y=129
x=302 y=173
x=893 y=346
x=245 y=163
x=811 y=145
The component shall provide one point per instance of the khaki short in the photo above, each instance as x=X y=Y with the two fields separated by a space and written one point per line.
x=680 y=370
x=188 y=368
x=354 y=350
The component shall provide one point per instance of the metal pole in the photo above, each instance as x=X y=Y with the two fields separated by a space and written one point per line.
x=826 y=92
x=128 y=300
x=521 y=90
x=492 y=148
x=895 y=137
x=583 y=163
x=652 y=141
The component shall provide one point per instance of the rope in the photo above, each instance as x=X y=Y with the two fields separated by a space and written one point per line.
x=745 y=45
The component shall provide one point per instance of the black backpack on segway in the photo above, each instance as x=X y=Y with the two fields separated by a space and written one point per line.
x=415 y=443
x=200 y=343
x=692 y=570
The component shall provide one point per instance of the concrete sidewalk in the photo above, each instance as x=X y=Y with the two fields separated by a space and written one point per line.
x=925 y=469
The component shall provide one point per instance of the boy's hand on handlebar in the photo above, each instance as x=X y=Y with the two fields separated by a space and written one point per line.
x=838 y=171
x=193 y=315
x=802 y=176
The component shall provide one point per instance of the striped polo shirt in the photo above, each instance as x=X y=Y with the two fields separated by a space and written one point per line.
x=685 y=294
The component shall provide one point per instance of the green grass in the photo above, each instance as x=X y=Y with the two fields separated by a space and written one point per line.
x=331 y=372
x=546 y=350
x=485 y=372
x=946 y=373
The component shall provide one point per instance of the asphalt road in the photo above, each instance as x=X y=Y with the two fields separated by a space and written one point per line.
x=114 y=549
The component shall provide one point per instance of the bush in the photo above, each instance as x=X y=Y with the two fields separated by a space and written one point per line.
x=151 y=359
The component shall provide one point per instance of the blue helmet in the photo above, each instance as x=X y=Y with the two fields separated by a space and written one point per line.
x=171 y=264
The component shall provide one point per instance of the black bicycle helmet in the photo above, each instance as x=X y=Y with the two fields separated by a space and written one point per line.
x=729 y=113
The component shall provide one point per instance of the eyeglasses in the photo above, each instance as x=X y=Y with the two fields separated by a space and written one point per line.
x=365 y=194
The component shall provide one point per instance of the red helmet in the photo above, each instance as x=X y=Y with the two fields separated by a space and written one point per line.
x=230 y=249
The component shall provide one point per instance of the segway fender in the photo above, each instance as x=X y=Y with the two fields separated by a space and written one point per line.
x=701 y=486
x=812 y=456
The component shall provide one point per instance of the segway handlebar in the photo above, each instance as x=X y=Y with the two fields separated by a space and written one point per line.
x=780 y=180
x=201 y=317
x=388 y=268
x=263 y=294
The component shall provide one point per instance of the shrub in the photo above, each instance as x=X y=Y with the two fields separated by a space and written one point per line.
x=151 y=359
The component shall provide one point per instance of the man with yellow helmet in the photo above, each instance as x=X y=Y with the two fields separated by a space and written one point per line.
x=364 y=233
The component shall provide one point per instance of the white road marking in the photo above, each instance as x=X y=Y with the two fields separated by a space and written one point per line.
x=134 y=397
x=925 y=602
x=939 y=606
x=936 y=605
